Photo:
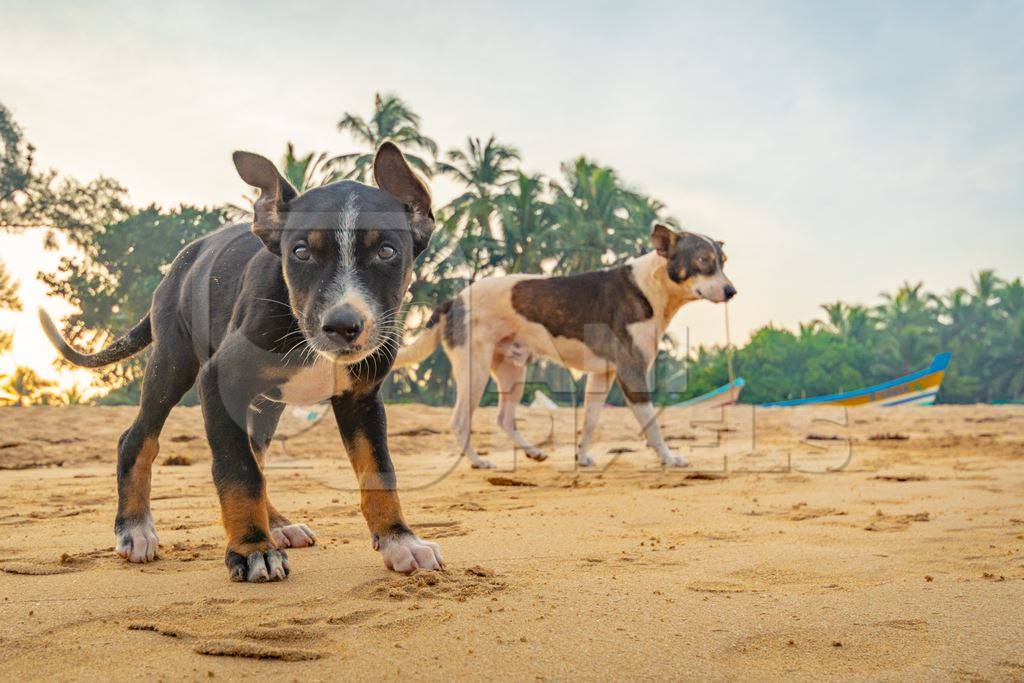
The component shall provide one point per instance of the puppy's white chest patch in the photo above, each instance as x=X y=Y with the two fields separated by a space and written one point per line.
x=317 y=382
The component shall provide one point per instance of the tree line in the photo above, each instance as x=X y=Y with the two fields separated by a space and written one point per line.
x=504 y=220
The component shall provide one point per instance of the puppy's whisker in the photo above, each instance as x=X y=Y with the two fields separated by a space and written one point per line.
x=275 y=301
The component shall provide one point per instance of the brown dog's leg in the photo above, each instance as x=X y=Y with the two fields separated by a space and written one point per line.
x=363 y=426
x=511 y=380
x=595 y=394
x=251 y=553
x=469 y=369
x=169 y=374
x=633 y=380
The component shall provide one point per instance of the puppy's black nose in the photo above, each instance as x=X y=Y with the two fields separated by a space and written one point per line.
x=730 y=292
x=343 y=324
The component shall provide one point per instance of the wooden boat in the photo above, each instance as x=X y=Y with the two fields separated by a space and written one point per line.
x=918 y=388
x=725 y=395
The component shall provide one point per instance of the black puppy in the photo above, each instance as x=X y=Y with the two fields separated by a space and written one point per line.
x=297 y=308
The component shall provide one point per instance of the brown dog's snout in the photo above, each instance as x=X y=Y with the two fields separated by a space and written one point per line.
x=729 y=292
x=343 y=324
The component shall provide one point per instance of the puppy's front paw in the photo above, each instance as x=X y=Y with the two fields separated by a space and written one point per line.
x=293 y=536
x=584 y=460
x=137 y=541
x=258 y=566
x=407 y=553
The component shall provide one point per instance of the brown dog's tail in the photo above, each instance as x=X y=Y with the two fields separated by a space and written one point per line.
x=426 y=342
x=138 y=338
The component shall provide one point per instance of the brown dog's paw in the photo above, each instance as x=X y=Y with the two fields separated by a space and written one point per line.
x=535 y=454
x=293 y=536
x=259 y=566
x=407 y=553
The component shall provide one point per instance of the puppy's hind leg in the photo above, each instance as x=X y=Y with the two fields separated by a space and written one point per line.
x=469 y=367
x=262 y=423
x=510 y=379
x=170 y=373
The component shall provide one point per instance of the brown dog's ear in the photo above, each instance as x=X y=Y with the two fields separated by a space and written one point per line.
x=270 y=208
x=663 y=238
x=392 y=174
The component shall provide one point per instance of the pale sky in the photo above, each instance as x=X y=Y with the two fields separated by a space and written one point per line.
x=837 y=148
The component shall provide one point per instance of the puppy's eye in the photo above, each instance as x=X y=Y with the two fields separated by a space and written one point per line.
x=385 y=252
x=301 y=251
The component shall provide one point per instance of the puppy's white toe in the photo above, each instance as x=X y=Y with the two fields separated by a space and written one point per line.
x=293 y=536
x=138 y=542
x=259 y=566
x=584 y=460
x=405 y=554
x=483 y=464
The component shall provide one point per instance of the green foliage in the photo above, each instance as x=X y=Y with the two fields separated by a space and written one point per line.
x=392 y=119
x=507 y=221
x=598 y=221
x=306 y=172
x=112 y=277
x=303 y=172
x=24 y=387
x=9 y=298
x=855 y=347
x=34 y=198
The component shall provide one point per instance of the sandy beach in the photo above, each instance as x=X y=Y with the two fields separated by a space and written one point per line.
x=876 y=544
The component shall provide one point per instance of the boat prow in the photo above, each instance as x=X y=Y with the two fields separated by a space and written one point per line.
x=918 y=388
x=725 y=395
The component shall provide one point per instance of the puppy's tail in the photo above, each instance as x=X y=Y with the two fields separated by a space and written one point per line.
x=426 y=342
x=138 y=338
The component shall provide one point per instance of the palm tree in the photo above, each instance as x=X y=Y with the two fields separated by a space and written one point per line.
x=393 y=120
x=304 y=173
x=307 y=172
x=483 y=169
x=852 y=322
x=1011 y=297
x=597 y=217
x=986 y=287
x=525 y=225
x=1008 y=365
x=907 y=320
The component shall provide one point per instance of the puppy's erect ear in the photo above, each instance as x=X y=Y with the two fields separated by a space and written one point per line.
x=663 y=238
x=270 y=209
x=392 y=174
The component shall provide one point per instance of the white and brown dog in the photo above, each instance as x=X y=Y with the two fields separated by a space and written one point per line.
x=605 y=323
